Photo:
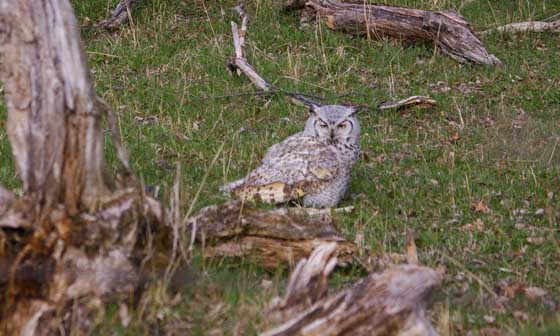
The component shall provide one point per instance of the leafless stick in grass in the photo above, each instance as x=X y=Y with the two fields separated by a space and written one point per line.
x=529 y=26
x=119 y=15
x=241 y=66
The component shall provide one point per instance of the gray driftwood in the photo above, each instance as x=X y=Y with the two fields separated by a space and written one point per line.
x=391 y=302
x=77 y=229
x=271 y=237
x=451 y=33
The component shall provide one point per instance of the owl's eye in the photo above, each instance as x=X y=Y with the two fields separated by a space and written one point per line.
x=323 y=125
x=342 y=126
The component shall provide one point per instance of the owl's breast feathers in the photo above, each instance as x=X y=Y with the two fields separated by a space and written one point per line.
x=297 y=166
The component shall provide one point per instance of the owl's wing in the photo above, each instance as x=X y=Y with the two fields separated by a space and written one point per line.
x=281 y=148
x=300 y=165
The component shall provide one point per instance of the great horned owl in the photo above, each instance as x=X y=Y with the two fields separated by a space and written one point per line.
x=314 y=164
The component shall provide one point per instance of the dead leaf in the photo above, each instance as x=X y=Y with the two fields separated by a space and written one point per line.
x=477 y=225
x=455 y=137
x=520 y=316
x=535 y=240
x=480 y=206
x=439 y=86
x=533 y=293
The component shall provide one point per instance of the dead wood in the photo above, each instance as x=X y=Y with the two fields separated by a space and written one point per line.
x=419 y=102
x=530 y=26
x=451 y=33
x=388 y=303
x=272 y=237
x=240 y=64
x=119 y=15
x=75 y=236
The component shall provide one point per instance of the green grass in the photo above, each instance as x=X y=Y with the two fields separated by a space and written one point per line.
x=161 y=74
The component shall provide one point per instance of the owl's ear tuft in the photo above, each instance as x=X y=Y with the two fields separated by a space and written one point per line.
x=313 y=108
x=352 y=110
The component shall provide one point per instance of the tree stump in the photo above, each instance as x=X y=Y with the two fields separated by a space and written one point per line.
x=74 y=236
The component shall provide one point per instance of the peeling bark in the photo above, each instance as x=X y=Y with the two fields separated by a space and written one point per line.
x=272 y=237
x=450 y=32
x=53 y=124
x=74 y=235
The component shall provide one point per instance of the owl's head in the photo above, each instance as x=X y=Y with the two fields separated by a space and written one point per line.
x=333 y=122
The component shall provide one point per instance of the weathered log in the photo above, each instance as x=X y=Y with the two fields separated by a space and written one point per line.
x=119 y=15
x=240 y=64
x=450 y=32
x=78 y=232
x=273 y=237
x=392 y=302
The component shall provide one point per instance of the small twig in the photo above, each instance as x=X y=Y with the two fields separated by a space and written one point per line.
x=119 y=15
x=257 y=93
x=552 y=18
x=529 y=26
x=414 y=101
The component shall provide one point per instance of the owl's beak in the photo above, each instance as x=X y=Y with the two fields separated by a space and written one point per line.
x=332 y=134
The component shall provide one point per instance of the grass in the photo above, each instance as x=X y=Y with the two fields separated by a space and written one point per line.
x=493 y=138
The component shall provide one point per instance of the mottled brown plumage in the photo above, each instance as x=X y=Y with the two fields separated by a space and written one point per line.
x=314 y=164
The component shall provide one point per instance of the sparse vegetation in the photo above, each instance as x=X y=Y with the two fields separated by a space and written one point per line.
x=477 y=177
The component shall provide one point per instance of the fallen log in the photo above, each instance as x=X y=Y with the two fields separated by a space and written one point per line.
x=450 y=32
x=392 y=302
x=272 y=237
x=240 y=65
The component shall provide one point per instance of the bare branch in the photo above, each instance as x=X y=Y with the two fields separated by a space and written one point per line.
x=530 y=26
x=410 y=102
x=241 y=66
x=119 y=15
